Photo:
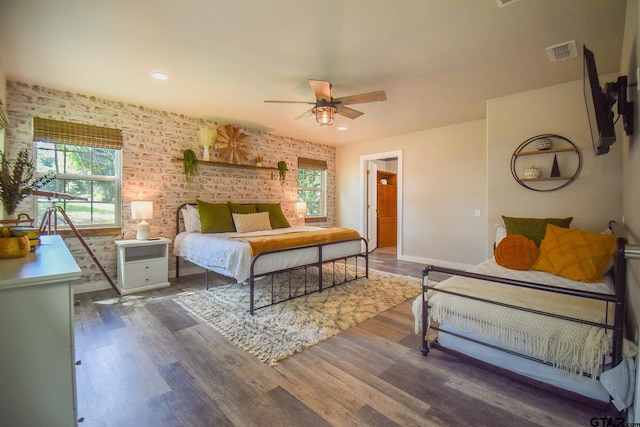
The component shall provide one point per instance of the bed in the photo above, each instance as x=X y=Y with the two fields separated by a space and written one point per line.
x=260 y=257
x=562 y=333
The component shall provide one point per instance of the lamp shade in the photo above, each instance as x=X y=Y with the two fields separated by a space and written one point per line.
x=301 y=208
x=141 y=209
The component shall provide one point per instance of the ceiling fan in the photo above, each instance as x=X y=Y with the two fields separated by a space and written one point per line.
x=325 y=106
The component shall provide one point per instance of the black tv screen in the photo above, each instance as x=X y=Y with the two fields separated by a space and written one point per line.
x=599 y=107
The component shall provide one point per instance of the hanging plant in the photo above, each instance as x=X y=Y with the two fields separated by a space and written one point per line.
x=189 y=165
x=17 y=180
x=282 y=170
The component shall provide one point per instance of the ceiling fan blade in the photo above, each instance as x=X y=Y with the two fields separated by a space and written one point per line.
x=305 y=115
x=348 y=112
x=292 y=102
x=321 y=89
x=362 y=98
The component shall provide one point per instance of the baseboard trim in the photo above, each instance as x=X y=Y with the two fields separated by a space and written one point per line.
x=438 y=262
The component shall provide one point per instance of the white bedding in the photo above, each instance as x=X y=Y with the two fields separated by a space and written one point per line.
x=232 y=257
x=547 y=338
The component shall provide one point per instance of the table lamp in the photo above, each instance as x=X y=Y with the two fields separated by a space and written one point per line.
x=142 y=210
x=301 y=210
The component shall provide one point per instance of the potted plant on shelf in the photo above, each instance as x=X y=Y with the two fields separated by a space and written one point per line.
x=18 y=181
x=258 y=159
x=282 y=170
x=189 y=165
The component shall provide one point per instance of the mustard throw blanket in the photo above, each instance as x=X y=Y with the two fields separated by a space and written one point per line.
x=570 y=346
x=260 y=244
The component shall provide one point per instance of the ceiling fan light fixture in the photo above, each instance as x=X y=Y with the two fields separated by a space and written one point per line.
x=325 y=113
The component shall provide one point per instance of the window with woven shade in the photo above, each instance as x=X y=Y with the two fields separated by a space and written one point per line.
x=312 y=186
x=87 y=162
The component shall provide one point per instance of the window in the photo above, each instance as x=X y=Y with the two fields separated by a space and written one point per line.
x=86 y=168
x=312 y=186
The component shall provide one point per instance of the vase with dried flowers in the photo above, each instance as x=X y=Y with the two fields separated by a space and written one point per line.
x=206 y=139
x=18 y=180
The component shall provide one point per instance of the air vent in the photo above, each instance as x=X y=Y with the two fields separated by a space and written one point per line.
x=562 y=51
x=503 y=3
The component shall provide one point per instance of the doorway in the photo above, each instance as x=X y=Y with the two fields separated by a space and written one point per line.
x=382 y=201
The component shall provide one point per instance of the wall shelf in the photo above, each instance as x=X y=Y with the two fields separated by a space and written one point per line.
x=569 y=159
x=229 y=165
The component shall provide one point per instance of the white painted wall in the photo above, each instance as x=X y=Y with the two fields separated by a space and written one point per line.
x=444 y=182
x=594 y=198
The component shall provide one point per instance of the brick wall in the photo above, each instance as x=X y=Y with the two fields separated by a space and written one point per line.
x=151 y=138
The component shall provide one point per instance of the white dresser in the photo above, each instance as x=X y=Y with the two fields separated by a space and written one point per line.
x=37 y=364
x=142 y=265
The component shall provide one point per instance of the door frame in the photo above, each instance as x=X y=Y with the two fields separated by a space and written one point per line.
x=363 y=190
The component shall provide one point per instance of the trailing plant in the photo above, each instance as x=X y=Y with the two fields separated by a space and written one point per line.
x=282 y=170
x=17 y=180
x=189 y=165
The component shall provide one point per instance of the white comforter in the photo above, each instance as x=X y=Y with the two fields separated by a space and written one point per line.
x=232 y=257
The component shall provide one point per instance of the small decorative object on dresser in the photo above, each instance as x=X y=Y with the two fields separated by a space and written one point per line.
x=142 y=265
x=18 y=180
x=14 y=247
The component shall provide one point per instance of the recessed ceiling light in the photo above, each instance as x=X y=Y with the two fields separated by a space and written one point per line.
x=158 y=75
x=342 y=127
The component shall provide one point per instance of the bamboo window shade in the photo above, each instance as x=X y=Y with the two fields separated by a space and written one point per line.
x=304 y=163
x=60 y=132
x=4 y=120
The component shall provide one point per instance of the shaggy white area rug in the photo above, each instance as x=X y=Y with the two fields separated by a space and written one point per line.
x=279 y=331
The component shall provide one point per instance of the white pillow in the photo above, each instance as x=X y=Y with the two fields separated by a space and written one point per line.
x=501 y=233
x=185 y=218
x=246 y=223
x=192 y=220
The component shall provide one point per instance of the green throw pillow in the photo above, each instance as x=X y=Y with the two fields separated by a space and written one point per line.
x=533 y=228
x=215 y=217
x=276 y=216
x=242 y=208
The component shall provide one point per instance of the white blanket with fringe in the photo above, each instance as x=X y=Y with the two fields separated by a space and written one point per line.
x=570 y=346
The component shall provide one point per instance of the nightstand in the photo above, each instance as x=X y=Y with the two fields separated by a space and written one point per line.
x=142 y=265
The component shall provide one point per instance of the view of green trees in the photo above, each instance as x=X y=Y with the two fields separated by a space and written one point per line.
x=82 y=172
x=310 y=190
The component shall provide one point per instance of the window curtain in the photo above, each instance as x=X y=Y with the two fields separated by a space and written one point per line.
x=60 y=132
x=304 y=163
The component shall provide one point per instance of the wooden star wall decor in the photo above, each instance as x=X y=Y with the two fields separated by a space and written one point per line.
x=231 y=144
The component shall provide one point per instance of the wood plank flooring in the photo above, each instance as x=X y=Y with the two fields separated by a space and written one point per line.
x=147 y=362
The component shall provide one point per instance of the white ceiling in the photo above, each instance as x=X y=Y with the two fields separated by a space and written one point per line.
x=437 y=60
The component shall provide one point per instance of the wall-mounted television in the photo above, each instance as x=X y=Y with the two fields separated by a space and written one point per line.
x=600 y=101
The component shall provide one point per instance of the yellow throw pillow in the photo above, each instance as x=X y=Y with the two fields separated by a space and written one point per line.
x=575 y=254
x=516 y=252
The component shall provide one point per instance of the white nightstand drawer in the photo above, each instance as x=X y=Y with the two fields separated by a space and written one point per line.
x=146 y=273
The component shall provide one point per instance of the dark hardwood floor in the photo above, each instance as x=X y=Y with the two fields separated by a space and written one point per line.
x=147 y=362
